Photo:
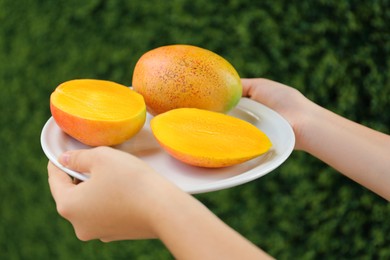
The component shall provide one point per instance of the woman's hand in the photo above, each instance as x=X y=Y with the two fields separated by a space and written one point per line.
x=358 y=152
x=119 y=200
x=125 y=199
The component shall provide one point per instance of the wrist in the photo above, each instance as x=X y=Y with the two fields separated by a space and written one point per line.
x=310 y=126
x=168 y=205
x=302 y=117
x=191 y=231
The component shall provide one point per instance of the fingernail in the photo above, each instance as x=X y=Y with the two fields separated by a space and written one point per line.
x=64 y=159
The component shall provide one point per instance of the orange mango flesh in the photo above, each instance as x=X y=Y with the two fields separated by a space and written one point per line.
x=208 y=139
x=176 y=76
x=97 y=112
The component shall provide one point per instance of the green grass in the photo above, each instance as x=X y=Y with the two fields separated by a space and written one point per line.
x=335 y=52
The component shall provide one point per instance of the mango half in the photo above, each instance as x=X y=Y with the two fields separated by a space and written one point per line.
x=177 y=76
x=208 y=139
x=97 y=112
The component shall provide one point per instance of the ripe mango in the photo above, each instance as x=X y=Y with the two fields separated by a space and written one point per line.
x=97 y=112
x=208 y=139
x=176 y=76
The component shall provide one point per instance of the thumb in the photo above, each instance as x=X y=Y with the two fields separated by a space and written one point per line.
x=251 y=87
x=246 y=86
x=77 y=160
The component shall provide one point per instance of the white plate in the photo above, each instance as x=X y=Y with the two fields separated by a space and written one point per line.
x=189 y=178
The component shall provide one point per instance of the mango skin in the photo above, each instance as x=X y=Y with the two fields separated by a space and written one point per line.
x=99 y=130
x=208 y=139
x=176 y=76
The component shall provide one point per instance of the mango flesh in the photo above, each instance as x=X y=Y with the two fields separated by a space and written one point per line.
x=97 y=112
x=208 y=139
x=176 y=76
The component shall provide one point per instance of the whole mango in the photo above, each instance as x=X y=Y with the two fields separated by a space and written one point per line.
x=177 y=76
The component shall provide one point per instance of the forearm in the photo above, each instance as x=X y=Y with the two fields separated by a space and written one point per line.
x=358 y=152
x=191 y=231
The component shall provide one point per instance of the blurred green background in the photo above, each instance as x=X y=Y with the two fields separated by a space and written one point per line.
x=336 y=52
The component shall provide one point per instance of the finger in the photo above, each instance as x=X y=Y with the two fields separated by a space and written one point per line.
x=246 y=87
x=77 y=160
x=59 y=181
x=107 y=240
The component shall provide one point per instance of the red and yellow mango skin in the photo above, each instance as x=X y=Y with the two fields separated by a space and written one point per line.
x=176 y=76
x=97 y=112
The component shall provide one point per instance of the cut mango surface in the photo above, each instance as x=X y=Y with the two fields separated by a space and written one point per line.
x=98 y=112
x=208 y=139
x=97 y=100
